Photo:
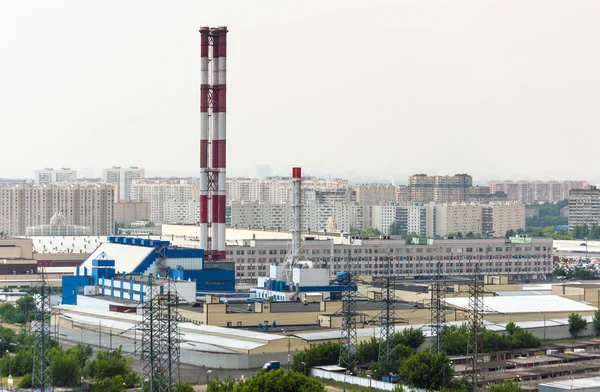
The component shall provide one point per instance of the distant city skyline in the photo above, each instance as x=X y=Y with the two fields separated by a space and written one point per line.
x=354 y=177
x=381 y=89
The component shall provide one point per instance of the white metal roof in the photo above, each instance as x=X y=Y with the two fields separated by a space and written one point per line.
x=126 y=257
x=525 y=304
x=573 y=384
x=238 y=333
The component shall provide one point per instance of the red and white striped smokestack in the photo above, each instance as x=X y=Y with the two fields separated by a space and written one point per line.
x=204 y=104
x=222 y=145
x=296 y=205
x=214 y=197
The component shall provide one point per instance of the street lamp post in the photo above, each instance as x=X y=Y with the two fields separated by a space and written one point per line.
x=208 y=372
x=304 y=365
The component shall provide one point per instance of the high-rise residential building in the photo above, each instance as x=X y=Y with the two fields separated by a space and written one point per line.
x=122 y=178
x=263 y=171
x=402 y=194
x=176 y=193
x=440 y=189
x=536 y=191
x=491 y=219
x=584 y=207
x=129 y=212
x=80 y=204
x=50 y=175
x=374 y=194
x=484 y=194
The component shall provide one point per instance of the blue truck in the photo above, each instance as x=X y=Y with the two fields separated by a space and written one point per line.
x=271 y=365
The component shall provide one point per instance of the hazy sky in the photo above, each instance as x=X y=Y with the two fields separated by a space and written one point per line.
x=498 y=89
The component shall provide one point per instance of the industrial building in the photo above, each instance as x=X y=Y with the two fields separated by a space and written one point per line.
x=120 y=267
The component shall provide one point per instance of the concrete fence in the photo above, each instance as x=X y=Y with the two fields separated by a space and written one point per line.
x=363 y=382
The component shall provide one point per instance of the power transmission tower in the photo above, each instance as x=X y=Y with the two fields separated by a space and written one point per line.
x=160 y=337
x=387 y=317
x=41 y=377
x=475 y=347
x=438 y=312
x=348 y=341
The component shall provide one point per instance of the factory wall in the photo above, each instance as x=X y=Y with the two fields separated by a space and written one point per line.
x=208 y=280
x=72 y=286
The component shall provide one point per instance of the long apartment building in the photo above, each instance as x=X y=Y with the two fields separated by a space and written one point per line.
x=81 y=204
x=314 y=216
x=536 y=191
x=276 y=190
x=519 y=258
x=171 y=201
x=440 y=189
x=373 y=194
x=491 y=219
x=584 y=207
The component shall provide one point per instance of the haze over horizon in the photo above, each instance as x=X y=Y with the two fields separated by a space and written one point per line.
x=382 y=89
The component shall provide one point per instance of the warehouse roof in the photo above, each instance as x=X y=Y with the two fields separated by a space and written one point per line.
x=126 y=257
x=525 y=304
x=574 y=384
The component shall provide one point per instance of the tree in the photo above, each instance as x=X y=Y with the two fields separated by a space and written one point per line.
x=215 y=385
x=509 y=233
x=506 y=386
x=428 y=370
x=391 y=363
x=576 y=324
x=395 y=228
x=410 y=337
x=183 y=387
x=280 y=381
x=596 y=321
x=65 y=368
x=109 y=384
x=368 y=351
x=319 y=354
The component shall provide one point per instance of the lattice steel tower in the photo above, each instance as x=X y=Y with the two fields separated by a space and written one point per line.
x=475 y=349
x=387 y=317
x=438 y=312
x=348 y=341
x=160 y=337
x=41 y=328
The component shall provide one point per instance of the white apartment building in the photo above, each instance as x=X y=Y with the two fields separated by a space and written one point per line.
x=50 y=175
x=81 y=204
x=178 y=193
x=536 y=191
x=122 y=178
x=382 y=217
x=314 y=216
x=416 y=219
x=181 y=211
x=276 y=190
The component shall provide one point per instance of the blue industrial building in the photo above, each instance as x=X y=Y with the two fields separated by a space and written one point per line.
x=120 y=267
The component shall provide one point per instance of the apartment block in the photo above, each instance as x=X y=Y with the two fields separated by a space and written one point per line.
x=177 y=193
x=440 y=189
x=584 y=207
x=491 y=219
x=129 y=212
x=536 y=191
x=50 y=175
x=81 y=204
x=315 y=217
x=122 y=178
x=374 y=194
